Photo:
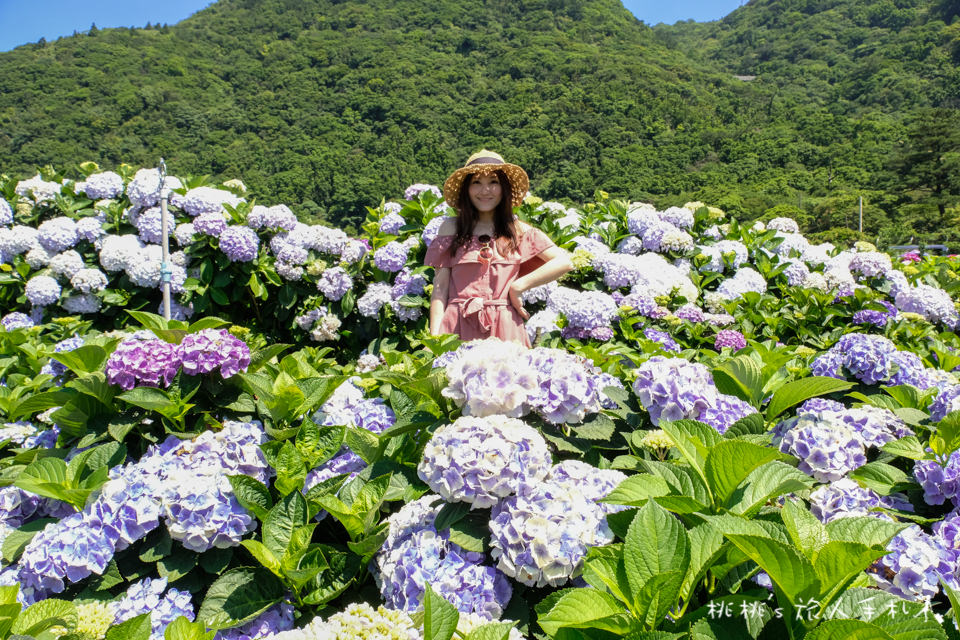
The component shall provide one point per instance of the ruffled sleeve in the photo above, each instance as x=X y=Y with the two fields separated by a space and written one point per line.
x=438 y=254
x=533 y=243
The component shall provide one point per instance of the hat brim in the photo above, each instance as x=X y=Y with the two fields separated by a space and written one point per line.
x=519 y=182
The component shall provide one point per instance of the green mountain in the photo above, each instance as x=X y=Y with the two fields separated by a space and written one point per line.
x=332 y=104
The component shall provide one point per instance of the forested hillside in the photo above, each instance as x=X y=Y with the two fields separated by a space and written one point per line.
x=335 y=104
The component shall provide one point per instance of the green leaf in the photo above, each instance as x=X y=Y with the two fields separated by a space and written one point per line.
x=765 y=483
x=491 y=631
x=873 y=532
x=440 y=618
x=176 y=565
x=182 y=629
x=253 y=495
x=603 y=569
x=344 y=568
x=657 y=596
x=578 y=608
x=787 y=568
x=363 y=443
x=908 y=447
x=209 y=322
x=946 y=438
x=82 y=360
x=136 y=628
x=450 y=513
x=149 y=320
x=239 y=595
x=806 y=532
x=281 y=520
x=837 y=563
x=752 y=424
x=470 y=535
x=291 y=469
x=706 y=544
x=260 y=357
x=148 y=398
x=17 y=540
x=656 y=544
x=793 y=393
x=683 y=481
x=637 y=489
x=48 y=477
x=848 y=630
x=600 y=427
x=694 y=440
x=45 y=615
x=879 y=476
x=729 y=463
x=263 y=555
x=741 y=377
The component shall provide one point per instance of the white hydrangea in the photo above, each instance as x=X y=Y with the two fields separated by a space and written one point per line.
x=38 y=257
x=359 y=621
x=786 y=225
x=676 y=240
x=208 y=200
x=88 y=280
x=491 y=377
x=39 y=189
x=118 y=252
x=66 y=263
x=106 y=184
x=83 y=303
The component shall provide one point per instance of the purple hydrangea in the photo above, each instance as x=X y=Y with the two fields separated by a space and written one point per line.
x=6 y=213
x=567 y=386
x=277 y=618
x=673 y=388
x=391 y=257
x=42 y=291
x=239 y=244
x=828 y=450
x=729 y=338
x=431 y=229
x=871 y=359
x=724 y=411
x=843 y=498
x=334 y=283
x=147 y=596
x=415 y=553
x=150 y=363
x=874 y=317
x=916 y=563
x=391 y=223
x=57 y=234
x=932 y=303
x=211 y=224
x=17 y=320
x=870 y=264
x=940 y=481
x=71 y=549
x=664 y=339
x=946 y=401
x=212 y=349
x=583 y=309
x=481 y=460
x=413 y=191
x=376 y=295
x=276 y=217
x=690 y=312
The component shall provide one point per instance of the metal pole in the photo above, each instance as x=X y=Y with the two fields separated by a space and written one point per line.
x=861 y=214
x=164 y=240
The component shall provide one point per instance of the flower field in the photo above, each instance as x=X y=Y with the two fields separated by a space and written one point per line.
x=724 y=431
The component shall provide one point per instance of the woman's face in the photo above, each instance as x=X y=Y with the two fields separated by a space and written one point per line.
x=485 y=192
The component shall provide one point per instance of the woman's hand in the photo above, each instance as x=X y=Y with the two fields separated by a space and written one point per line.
x=516 y=301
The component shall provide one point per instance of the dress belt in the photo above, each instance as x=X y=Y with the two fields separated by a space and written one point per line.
x=480 y=306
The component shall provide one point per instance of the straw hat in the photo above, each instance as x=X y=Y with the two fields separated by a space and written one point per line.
x=485 y=161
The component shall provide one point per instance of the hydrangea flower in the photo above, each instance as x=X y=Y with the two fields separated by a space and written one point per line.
x=480 y=460
x=239 y=244
x=334 y=283
x=946 y=401
x=915 y=564
x=143 y=362
x=678 y=216
x=540 y=536
x=391 y=257
x=147 y=596
x=940 y=481
x=276 y=217
x=208 y=200
x=19 y=239
x=786 y=225
x=94 y=619
x=214 y=349
x=664 y=339
x=119 y=252
x=39 y=189
x=872 y=360
x=415 y=553
x=874 y=317
x=583 y=309
x=542 y=322
x=567 y=387
x=71 y=549
x=743 y=281
x=828 y=450
x=6 y=213
x=359 y=621
x=843 y=498
x=144 y=190
x=57 y=234
x=17 y=320
x=376 y=295
x=870 y=264
x=413 y=191
x=491 y=377
x=729 y=338
x=431 y=229
x=673 y=388
x=211 y=223
x=103 y=185
x=932 y=303
x=42 y=291
x=391 y=223
x=83 y=303
x=185 y=234
x=274 y=620
x=66 y=263
x=89 y=280
x=725 y=410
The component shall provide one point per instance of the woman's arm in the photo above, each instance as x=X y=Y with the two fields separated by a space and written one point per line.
x=438 y=299
x=557 y=262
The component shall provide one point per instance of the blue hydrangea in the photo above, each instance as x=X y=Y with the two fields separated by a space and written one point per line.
x=480 y=460
x=201 y=200
x=103 y=185
x=6 y=213
x=872 y=360
x=17 y=320
x=940 y=481
x=415 y=553
x=277 y=618
x=71 y=549
x=212 y=223
x=843 y=498
x=724 y=411
x=57 y=234
x=391 y=257
x=828 y=450
x=664 y=339
x=391 y=223
x=932 y=303
x=239 y=244
x=376 y=295
x=413 y=191
x=673 y=388
x=42 y=291
x=566 y=386
x=914 y=566
x=946 y=401
x=491 y=377
x=147 y=596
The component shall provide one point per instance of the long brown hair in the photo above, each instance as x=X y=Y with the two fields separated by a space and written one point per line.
x=504 y=226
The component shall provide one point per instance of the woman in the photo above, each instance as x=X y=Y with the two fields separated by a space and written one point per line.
x=485 y=257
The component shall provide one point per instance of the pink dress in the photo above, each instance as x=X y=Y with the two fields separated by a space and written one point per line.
x=478 y=305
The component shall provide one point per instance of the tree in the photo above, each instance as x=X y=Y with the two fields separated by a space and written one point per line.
x=928 y=161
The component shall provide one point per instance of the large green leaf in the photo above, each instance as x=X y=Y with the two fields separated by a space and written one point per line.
x=693 y=439
x=657 y=597
x=839 y=562
x=82 y=360
x=848 y=630
x=730 y=461
x=879 y=476
x=491 y=631
x=682 y=479
x=764 y=483
x=252 y=495
x=45 y=615
x=907 y=447
x=239 y=595
x=806 y=532
x=281 y=520
x=742 y=377
x=786 y=566
x=706 y=545
x=578 y=607
x=182 y=629
x=870 y=531
x=637 y=489
x=656 y=544
x=439 y=616
x=136 y=628
x=604 y=569
x=793 y=393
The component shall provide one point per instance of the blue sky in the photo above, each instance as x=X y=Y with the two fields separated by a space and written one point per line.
x=23 y=21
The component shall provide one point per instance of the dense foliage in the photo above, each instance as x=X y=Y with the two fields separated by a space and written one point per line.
x=325 y=105
x=724 y=431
